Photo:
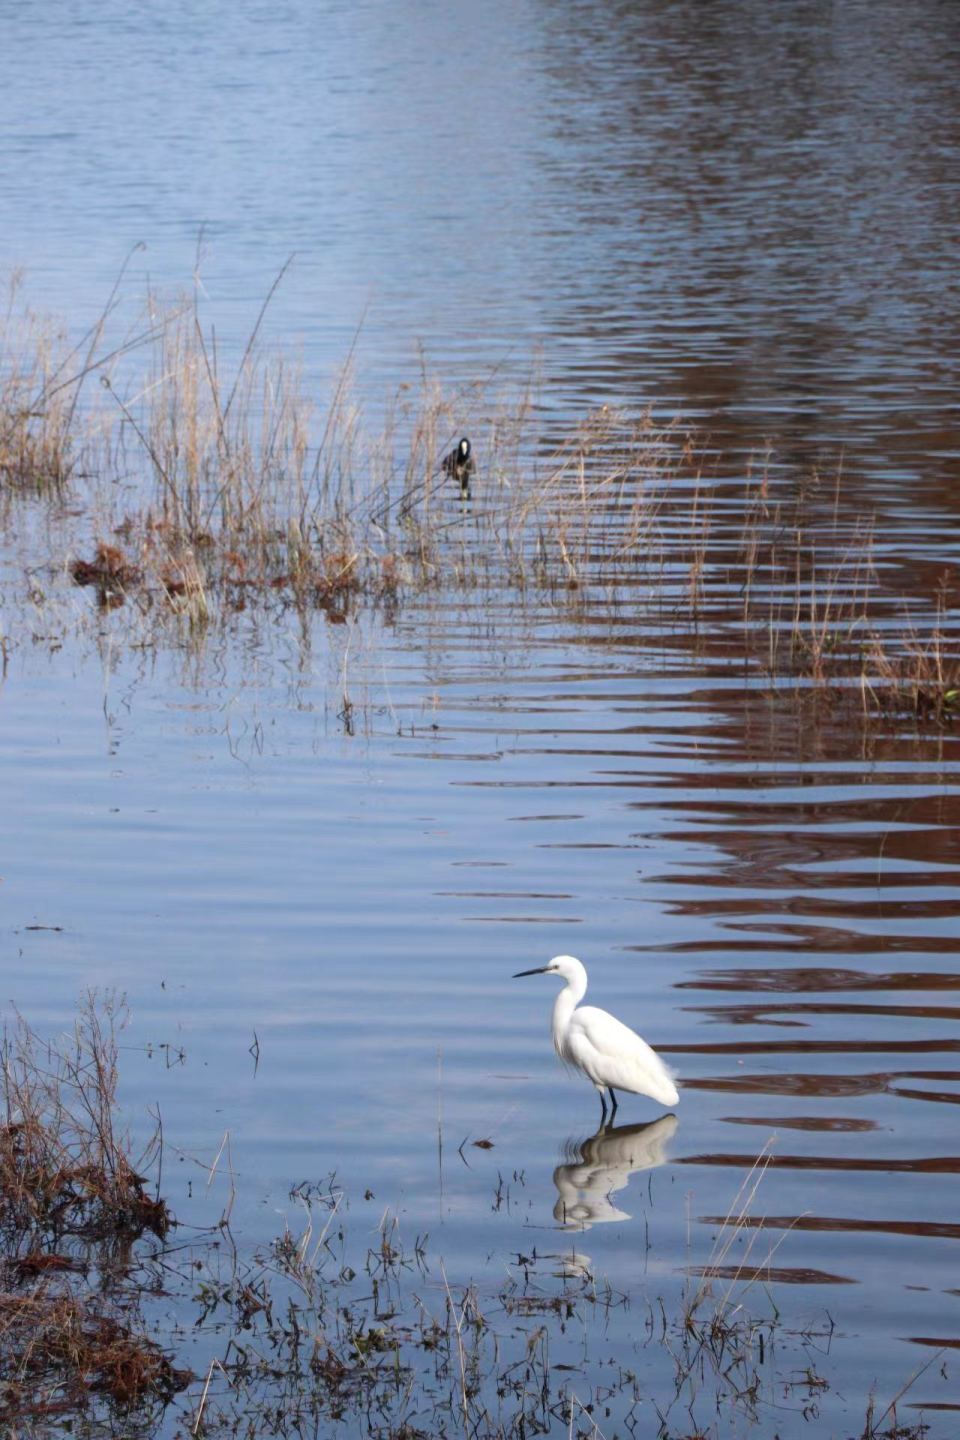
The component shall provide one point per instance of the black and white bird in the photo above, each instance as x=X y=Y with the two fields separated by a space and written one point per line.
x=459 y=465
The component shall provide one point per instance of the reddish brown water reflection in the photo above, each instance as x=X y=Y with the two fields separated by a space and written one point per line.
x=769 y=1275
x=941 y=1229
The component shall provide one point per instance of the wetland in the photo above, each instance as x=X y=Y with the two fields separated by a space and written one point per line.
x=306 y=746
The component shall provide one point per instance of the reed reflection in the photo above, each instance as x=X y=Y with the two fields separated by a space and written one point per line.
x=600 y=1166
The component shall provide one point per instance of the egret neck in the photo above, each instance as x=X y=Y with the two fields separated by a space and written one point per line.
x=564 y=1006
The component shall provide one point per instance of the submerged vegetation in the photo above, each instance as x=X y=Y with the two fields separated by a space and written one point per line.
x=205 y=489
x=336 y=1328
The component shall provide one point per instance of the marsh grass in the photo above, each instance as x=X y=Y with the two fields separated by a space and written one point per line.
x=65 y=1175
x=73 y=1207
x=37 y=436
x=387 y=1343
x=44 y=426
x=211 y=488
x=316 y=1337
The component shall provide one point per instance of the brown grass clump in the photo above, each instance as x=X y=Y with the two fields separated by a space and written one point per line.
x=64 y=1169
x=60 y=1353
x=72 y=1208
x=110 y=571
x=49 y=1192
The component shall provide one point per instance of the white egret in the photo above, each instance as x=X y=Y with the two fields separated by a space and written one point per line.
x=596 y=1043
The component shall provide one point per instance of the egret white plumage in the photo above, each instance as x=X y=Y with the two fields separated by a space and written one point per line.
x=596 y=1043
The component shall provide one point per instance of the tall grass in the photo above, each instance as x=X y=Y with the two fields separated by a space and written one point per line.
x=216 y=485
x=36 y=414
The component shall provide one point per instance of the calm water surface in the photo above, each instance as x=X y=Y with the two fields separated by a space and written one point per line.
x=746 y=215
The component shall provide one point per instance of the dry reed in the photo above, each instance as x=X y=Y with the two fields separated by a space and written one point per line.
x=73 y=1206
x=234 y=507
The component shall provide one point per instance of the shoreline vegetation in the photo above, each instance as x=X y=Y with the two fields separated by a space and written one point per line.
x=196 y=491
x=318 y=1331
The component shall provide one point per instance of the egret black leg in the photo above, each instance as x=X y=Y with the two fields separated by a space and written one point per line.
x=613 y=1102
x=603 y=1107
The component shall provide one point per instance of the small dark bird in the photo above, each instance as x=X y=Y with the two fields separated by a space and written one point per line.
x=459 y=465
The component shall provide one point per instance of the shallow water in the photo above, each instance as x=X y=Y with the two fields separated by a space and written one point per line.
x=746 y=216
x=783 y=927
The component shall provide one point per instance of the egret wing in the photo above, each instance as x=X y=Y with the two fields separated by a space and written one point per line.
x=610 y=1053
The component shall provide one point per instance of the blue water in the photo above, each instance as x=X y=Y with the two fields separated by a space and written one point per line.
x=743 y=215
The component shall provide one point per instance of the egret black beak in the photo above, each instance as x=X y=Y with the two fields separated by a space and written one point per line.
x=540 y=970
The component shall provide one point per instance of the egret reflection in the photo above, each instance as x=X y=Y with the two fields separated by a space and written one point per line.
x=601 y=1165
